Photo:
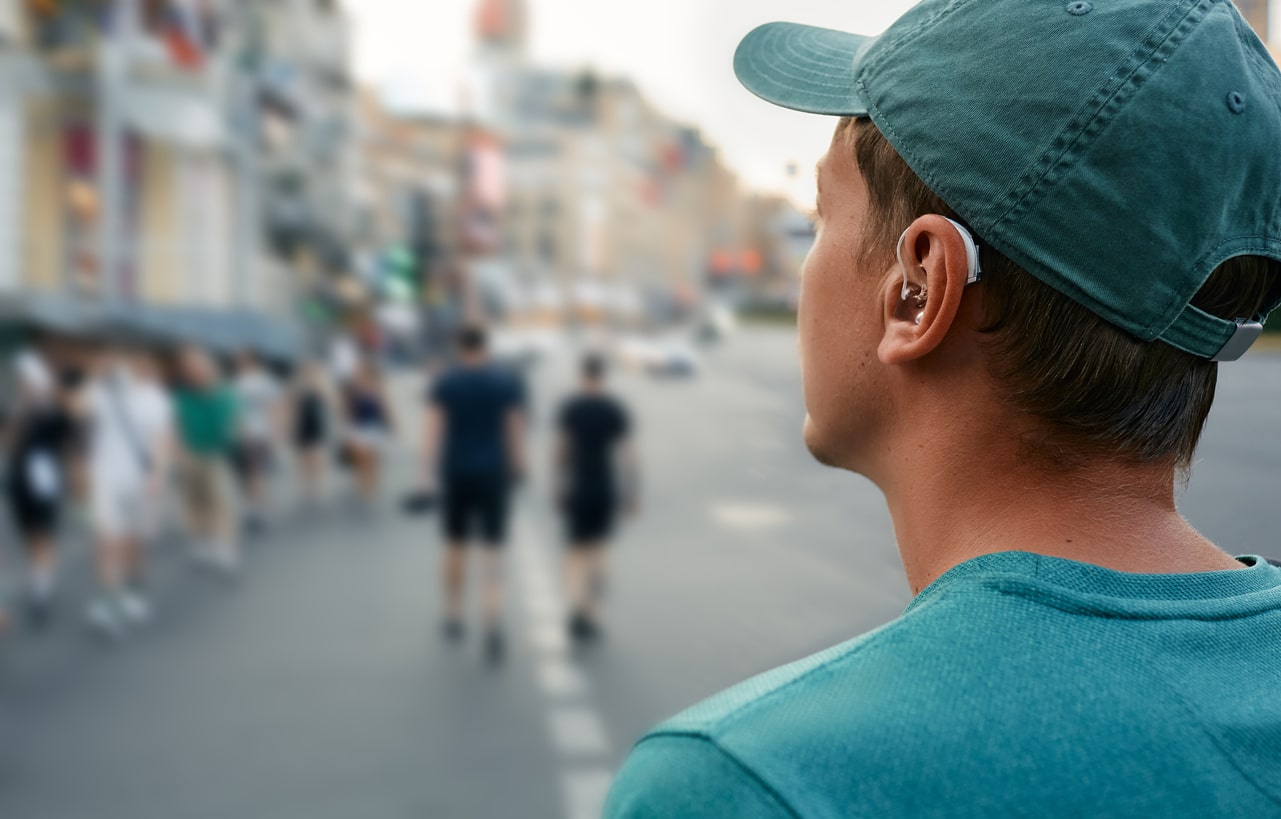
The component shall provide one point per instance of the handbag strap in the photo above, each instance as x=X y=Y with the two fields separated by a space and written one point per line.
x=126 y=423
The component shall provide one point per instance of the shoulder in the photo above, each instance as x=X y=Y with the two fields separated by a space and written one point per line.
x=753 y=741
x=887 y=705
x=675 y=775
x=443 y=385
x=157 y=400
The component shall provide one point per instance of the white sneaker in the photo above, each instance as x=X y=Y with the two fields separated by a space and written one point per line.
x=135 y=608
x=104 y=619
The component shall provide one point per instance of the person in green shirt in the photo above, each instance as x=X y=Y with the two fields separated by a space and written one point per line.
x=207 y=417
x=1041 y=226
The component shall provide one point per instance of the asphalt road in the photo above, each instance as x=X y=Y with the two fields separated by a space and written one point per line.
x=318 y=685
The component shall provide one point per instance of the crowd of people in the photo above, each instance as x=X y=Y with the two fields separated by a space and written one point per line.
x=139 y=429
x=129 y=430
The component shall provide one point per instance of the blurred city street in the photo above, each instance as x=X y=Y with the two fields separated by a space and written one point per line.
x=245 y=245
x=318 y=684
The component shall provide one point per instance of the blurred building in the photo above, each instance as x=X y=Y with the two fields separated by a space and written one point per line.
x=764 y=275
x=120 y=182
x=305 y=145
x=170 y=154
x=609 y=205
x=407 y=217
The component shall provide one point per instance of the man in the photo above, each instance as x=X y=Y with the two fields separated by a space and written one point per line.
x=1075 y=648
x=130 y=418
x=475 y=440
x=207 y=413
x=593 y=428
x=258 y=396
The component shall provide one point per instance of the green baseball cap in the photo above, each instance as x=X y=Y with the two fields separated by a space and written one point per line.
x=1118 y=150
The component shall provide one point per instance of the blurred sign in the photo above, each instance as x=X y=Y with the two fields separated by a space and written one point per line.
x=484 y=186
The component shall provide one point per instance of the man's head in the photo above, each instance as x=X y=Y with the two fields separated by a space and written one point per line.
x=143 y=364
x=35 y=380
x=593 y=370
x=473 y=343
x=1105 y=263
x=199 y=370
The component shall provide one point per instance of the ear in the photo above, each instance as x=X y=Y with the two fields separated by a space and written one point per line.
x=933 y=254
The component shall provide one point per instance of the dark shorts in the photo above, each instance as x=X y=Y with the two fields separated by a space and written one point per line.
x=251 y=459
x=475 y=505
x=33 y=517
x=589 y=521
x=309 y=436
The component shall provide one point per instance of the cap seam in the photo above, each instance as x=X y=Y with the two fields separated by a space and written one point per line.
x=1270 y=248
x=1093 y=118
x=1245 y=35
x=1270 y=245
x=882 y=51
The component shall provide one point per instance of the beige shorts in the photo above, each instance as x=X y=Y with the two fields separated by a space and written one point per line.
x=207 y=488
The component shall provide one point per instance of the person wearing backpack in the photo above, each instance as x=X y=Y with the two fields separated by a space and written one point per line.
x=37 y=438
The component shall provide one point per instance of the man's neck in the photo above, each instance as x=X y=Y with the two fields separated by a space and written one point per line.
x=1123 y=517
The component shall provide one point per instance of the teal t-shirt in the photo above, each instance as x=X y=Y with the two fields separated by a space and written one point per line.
x=1014 y=685
x=207 y=420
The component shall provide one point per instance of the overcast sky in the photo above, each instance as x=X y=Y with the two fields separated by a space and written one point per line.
x=679 y=53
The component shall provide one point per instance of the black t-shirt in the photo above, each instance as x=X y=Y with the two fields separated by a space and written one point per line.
x=593 y=425
x=476 y=402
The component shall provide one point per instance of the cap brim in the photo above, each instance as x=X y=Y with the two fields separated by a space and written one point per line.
x=803 y=68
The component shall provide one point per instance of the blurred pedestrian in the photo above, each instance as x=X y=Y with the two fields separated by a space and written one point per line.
x=369 y=426
x=73 y=388
x=37 y=436
x=311 y=409
x=1040 y=232
x=474 y=440
x=260 y=409
x=593 y=446
x=207 y=423
x=130 y=456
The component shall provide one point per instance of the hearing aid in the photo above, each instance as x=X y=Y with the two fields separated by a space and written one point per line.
x=912 y=297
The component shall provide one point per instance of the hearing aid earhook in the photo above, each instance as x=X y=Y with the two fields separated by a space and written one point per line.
x=974 y=269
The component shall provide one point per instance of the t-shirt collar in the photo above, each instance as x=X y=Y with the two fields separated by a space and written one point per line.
x=1090 y=587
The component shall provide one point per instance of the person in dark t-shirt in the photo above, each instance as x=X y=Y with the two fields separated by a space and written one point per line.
x=593 y=442
x=474 y=442
x=37 y=438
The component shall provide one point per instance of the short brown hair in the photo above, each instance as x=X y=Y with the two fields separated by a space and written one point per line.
x=1093 y=389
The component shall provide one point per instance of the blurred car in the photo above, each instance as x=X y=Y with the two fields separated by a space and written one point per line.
x=716 y=324
x=672 y=357
x=676 y=359
x=524 y=348
x=637 y=353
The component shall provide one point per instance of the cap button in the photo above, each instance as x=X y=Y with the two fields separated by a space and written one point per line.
x=1079 y=8
x=1236 y=102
